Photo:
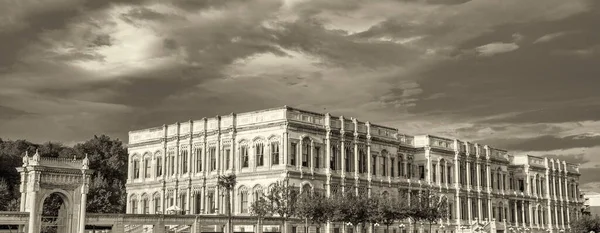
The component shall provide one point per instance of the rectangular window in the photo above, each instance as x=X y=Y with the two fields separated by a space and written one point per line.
x=158 y=166
x=210 y=202
x=521 y=185
x=374 y=165
x=383 y=166
x=305 y=154
x=184 y=161
x=136 y=169
x=259 y=156
x=333 y=157
x=157 y=208
x=148 y=167
x=400 y=167
x=198 y=159
x=227 y=158
x=392 y=162
x=347 y=160
x=293 y=151
x=146 y=206
x=449 y=174
x=442 y=173
x=172 y=163
x=421 y=172
x=244 y=157
x=183 y=204
x=317 y=160
x=275 y=153
x=213 y=159
x=434 y=173
x=244 y=202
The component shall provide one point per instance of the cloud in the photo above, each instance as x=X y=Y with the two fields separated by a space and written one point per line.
x=549 y=37
x=492 y=49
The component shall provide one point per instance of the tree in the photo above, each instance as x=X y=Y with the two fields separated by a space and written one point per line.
x=5 y=195
x=260 y=208
x=228 y=182
x=586 y=224
x=388 y=210
x=351 y=208
x=429 y=207
x=108 y=157
x=283 y=199
x=313 y=208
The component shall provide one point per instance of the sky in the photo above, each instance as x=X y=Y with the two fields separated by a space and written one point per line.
x=517 y=75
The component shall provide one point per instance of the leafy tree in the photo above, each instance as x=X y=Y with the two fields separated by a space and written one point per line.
x=5 y=195
x=388 y=210
x=586 y=224
x=429 y=207
x=314 y=208
x=351 y=208
x=228 y=182
x=283 y=199
x=260 y=208
x=108 y=158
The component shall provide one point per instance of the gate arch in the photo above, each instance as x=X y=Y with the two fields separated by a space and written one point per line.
x=42 y=177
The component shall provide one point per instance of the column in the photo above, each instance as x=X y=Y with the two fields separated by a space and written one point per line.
x=470 y=208
x=202 y=200
x=478 y=176
x=556 y=215
x=568 y=218
x=458 y=210
x=356 y=157
x=83 y=201
x=456 y=170
x=328 y=152
x=562 y=215
x=523 y=213
x=429 y=165
x=312 y=156
x=284 y=149
x=490 y=210
x=531 y=219
x=549 y=215
x=343 y=154
x=33 y=211
x=515 y=213
x=479 y=208
x=489 y=177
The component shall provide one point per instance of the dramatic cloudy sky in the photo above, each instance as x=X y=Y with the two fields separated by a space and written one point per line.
x=519 y=75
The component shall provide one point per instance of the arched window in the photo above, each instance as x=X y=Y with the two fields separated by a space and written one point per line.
x=134 y=205
x=244 y=201
x=275 y=153
x=260 y=154
x=374 y=164
x=145 y=206
x=349 y=159
x=157 y=203
x=401 y=166
x=317 y=160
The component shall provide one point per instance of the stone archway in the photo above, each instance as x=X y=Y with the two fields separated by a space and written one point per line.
x=41 y=177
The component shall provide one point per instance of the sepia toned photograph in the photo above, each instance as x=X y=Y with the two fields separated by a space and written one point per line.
x=299 y=116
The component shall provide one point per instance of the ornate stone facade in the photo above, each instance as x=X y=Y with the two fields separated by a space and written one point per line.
x=177 y=165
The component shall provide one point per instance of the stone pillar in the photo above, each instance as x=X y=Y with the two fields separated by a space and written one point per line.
x=84 y=191
x=478 y=176
x=468 y=184
x=343 y=153
x=284 y=149
x=312 y=157
x=429 y=165
x=480 y=208
x=33 y=213
x=523 y=212
x=470 y=208
x=516 y=214
x=458 y=210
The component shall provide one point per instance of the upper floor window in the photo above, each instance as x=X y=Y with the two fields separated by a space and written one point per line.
x=434 y=172
x=293 y=150
x=317 y=160
x=275 y=153
x=449 y=174
x=374 y=165
x=213 y=158
x=136 y=169
x=384 y=166
x=392 y=162
x=259 y=155
x=521 y=185
x=442 y=173
x=147 y=168
x=198 y=152
x=159 y=166
x=305 y=152
x=421 y=172
x=227 y=158
x=157 y=202
x=244 y=155
x=184 y=160
x=400 y=166
x=333 y=158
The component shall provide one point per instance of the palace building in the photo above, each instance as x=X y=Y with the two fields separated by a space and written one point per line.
x=176 y=167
